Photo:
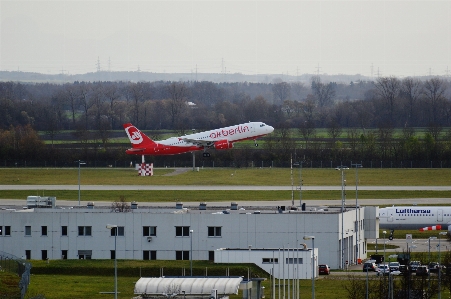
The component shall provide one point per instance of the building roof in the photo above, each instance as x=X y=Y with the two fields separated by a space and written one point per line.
x=188 y=285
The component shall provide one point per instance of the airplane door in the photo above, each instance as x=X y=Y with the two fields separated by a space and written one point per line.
x=390 y=213
x=440 y=215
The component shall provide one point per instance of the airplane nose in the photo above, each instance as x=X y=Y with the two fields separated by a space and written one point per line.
x=270 y=129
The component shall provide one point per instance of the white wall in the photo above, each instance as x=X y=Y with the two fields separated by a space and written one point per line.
x=239 y=230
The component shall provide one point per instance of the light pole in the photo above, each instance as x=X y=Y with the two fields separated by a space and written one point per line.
x=439 y=265
x=79 y=163
x=342 y=168
x=429 y=260
x=191 y=251
x=357 y=166
x=300 y=181
x=114 y=226
x=313 y=263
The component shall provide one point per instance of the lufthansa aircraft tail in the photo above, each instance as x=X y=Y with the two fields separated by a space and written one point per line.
x=138 y=139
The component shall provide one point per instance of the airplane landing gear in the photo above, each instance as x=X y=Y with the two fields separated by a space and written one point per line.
x=255 y=142
x=206 y=155
x=390 y=237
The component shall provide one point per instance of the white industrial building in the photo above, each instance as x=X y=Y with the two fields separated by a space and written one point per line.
x=181 y=233
x=289 y=263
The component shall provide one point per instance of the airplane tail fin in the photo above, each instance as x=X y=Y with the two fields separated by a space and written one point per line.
x=137 y=138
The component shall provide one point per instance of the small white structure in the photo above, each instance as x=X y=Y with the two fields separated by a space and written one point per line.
x=192 y=287
x=289 y=263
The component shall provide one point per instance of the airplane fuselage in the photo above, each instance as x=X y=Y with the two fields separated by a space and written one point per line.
x=414 y=217
x=222 y=138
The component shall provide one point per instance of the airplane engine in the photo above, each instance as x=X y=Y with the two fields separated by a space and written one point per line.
x=223 y=144
x=435 y=227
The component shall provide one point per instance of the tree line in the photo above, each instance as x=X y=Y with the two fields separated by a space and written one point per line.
x=360 y=117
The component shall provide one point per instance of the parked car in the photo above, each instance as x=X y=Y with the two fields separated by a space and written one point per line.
x=383 y=269
x=324 y=270
x=369 y=267
x=422 y=271
x=433 y=267
x=404 y=269
x=414 y=265
x=394 y=266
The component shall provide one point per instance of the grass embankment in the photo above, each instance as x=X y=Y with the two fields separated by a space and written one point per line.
x=222 y=177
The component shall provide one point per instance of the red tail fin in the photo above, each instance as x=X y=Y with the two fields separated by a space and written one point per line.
x=137 y=138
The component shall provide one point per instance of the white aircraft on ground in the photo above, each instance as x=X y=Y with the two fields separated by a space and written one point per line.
x=415 y=217
x=222 y=138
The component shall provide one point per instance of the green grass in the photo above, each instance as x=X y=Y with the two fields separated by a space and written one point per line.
x=88 y=278
x=219 y=195
x=227 y=176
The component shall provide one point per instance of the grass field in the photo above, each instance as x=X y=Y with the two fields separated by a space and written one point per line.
x=90 y=278
x=227 y=176
x=221 y=177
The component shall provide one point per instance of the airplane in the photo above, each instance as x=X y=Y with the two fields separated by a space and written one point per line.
x=219 y=139
x=415 y=217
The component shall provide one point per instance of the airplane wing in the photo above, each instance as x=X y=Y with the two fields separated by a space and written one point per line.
x=199 y=142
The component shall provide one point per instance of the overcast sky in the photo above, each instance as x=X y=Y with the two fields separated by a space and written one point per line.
x=399 y=38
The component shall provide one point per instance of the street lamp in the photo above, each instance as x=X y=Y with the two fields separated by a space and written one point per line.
x=313 y=263
x=429 y=260
x=300 y=181
x=191 y=251
x=357 y=166
x=439 y=265
x=79 y=163
x=114 y=226
x=342 y=168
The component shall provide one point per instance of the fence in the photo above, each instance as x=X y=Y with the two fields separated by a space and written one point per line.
x=13 y=264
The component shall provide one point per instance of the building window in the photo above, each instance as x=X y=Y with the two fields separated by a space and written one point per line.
x=112 y=254
x=270 y=260
x=214 y=231
x=293 y=260
x=120 y=231
x=149 y=231
x=182 y=255
x=27 y=230
x=7 y=230
x=44 y=230
x=64 y=254
x=182 y=231
x=84 y=254
x=63 y=230
x=44 y=254
x=211 y=255
x=149 y=254
x=84 y=230
x=28 y=254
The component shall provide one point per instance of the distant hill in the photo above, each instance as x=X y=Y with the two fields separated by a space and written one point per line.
x=18 y=76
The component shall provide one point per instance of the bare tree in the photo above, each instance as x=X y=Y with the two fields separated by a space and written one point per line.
x=434 y=93
x=411 y=89
x=281 y=90
x=178 y=93
x=324 y=93
x=387 y=88
x=121 y=205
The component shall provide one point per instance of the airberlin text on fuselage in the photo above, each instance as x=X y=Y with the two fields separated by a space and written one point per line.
x=231 y=131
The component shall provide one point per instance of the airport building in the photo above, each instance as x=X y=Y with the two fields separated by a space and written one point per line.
x=182 y=233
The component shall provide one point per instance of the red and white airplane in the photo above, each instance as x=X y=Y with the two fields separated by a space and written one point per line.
x=222 y=138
